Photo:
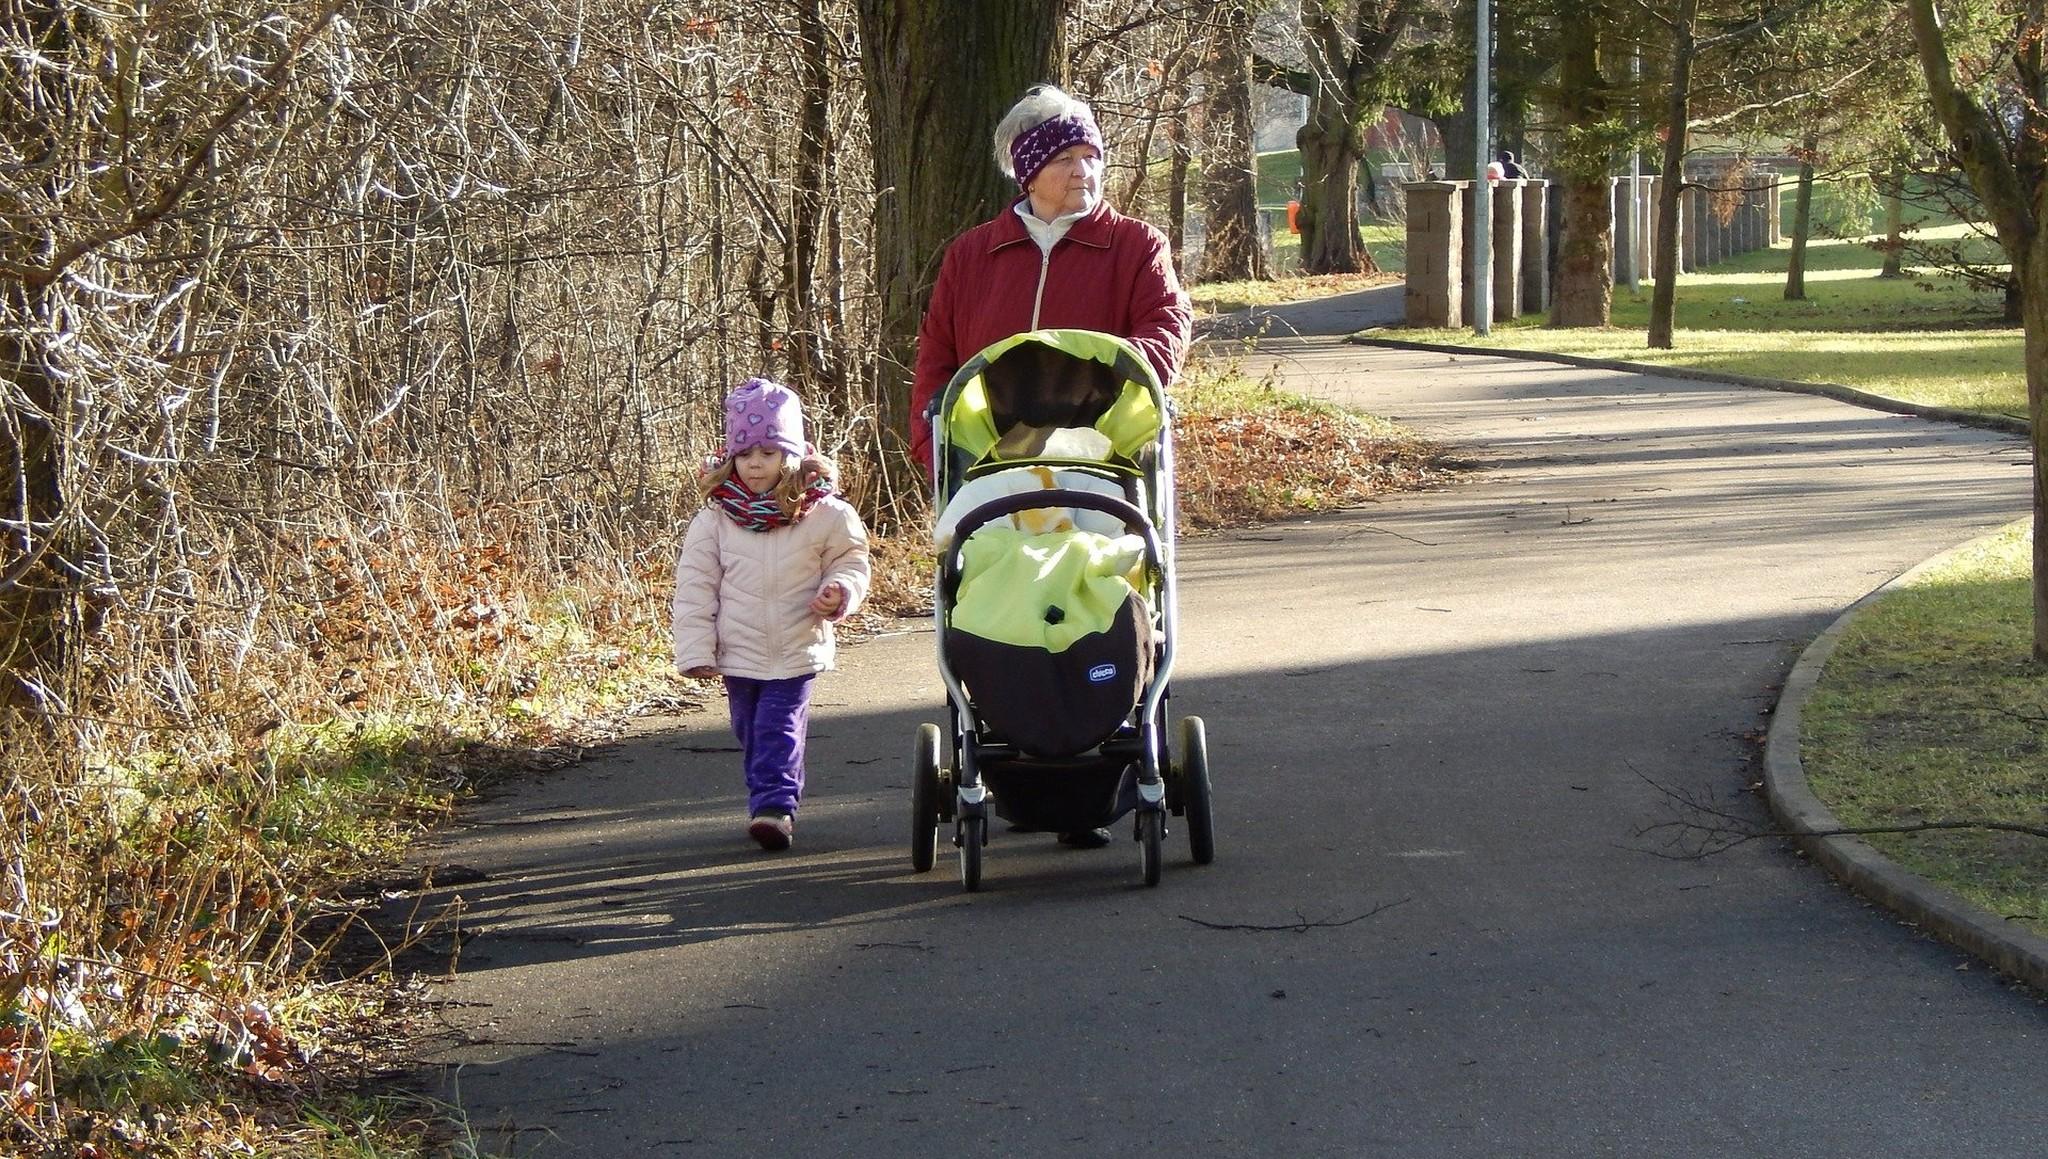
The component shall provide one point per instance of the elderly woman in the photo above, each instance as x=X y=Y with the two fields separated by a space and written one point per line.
x=1059 y=256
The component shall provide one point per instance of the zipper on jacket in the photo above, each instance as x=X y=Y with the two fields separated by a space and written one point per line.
x=1038 y=299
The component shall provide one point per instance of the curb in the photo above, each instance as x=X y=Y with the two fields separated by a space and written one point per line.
x=1848 y=394
x=2007 y=946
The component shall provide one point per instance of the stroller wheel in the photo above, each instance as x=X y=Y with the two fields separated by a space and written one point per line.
x=924 y=798
x=1151 y=839
x=1194 y=784
x=973 y=835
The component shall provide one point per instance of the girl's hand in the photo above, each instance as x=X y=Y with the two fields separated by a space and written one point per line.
x=704 y=671
x=829 y=600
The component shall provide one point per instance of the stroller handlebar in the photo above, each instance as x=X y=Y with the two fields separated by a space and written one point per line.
x=1134 y=520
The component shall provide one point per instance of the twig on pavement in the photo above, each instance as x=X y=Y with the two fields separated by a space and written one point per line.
x=1298 y=927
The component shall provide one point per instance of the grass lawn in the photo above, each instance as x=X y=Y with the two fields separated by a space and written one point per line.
x=1386 y=243
x=1931 y=709
x=1921 y=339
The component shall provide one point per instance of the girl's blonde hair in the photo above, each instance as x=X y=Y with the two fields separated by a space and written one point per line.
x=796 y=478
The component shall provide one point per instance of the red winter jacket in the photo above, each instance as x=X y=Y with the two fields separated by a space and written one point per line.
x=1110 y=273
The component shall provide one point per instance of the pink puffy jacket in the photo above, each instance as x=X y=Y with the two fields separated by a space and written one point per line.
x=742 y=601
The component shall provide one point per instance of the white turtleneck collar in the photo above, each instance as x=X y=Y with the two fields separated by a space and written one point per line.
x=1048 y=233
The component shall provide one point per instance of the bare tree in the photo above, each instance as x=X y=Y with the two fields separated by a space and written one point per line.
x=336 y=345
x=1348 y=48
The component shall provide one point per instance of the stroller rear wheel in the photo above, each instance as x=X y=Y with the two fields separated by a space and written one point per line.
x=924 y=798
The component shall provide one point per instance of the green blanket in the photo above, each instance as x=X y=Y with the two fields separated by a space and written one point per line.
x=1043 y=591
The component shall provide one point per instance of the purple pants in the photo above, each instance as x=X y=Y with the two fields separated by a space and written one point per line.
x=770 y=718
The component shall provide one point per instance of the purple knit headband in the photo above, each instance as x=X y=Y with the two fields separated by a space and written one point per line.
x=1044 y=141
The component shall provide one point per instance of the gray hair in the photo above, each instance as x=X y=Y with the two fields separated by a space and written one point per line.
x=1039 y=104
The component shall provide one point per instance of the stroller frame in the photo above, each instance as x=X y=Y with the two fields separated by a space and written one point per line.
x=1151 y=784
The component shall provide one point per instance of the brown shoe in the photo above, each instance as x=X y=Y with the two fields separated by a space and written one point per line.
x=772 y=830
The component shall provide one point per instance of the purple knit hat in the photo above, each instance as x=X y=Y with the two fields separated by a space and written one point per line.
x=763 y=413
x=1042 y=142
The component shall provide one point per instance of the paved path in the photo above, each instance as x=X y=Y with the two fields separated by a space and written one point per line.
x=1437 y=725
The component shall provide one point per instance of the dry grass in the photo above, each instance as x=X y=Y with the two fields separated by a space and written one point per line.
x=1223 y=297
x=1250 y=453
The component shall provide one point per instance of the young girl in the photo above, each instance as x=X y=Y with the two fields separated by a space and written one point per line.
x=766 y=568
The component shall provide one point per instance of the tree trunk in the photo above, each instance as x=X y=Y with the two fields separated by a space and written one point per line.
x=1664 y=297
x=1584 y=285
x=812 y=367
x=939 y=76
x=1895 y=222
x=1457 y=131
x=1584 y=280
x=2030 y=278
x=32 y=594
x=1331 y=147
x=1802 y=223
x=1180 y=158
x=1230 y=176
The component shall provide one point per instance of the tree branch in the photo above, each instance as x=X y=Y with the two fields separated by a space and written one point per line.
x=1980 y=147
x=1703 y=829
x=1299 y=927
x=168 y=197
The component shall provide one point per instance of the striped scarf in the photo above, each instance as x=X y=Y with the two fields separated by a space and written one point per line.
x=762 y=512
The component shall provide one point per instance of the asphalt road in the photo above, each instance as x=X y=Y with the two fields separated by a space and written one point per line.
x=1439 y=726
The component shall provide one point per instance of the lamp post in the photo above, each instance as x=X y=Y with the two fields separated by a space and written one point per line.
x=1481 y=226
x=1635 y=183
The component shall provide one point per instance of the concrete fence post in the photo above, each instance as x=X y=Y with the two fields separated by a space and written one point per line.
x=1646 y=226
x=1624 y=253
x=1436 y=254
x=1716 y=229
x=1694 y=228
x=1507 y=250
x=1535 y=274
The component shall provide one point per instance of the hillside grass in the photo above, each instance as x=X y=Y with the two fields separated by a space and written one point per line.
x=1923 y=338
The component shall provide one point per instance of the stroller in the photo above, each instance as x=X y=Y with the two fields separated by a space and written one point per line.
x=1054 y=606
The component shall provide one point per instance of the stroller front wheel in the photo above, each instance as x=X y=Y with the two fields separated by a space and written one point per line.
x=973 y=835
x=1151 y=842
